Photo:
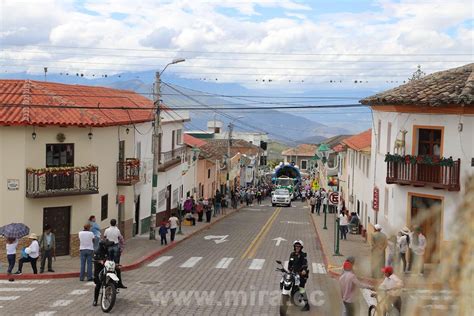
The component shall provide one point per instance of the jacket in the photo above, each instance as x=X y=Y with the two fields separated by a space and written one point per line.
x=297 y=262
x=44 y=245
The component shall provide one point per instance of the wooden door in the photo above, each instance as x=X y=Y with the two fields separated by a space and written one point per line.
x=168 y=199
x=59 y=218
x=426 y=213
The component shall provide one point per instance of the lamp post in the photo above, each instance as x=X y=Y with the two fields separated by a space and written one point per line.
x=322 y=152
x=156 y=145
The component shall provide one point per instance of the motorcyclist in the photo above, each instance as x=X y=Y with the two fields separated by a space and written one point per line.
x=299 y=264
x=100 y=256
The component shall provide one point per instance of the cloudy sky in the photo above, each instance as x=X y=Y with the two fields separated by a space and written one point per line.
x=285 y=42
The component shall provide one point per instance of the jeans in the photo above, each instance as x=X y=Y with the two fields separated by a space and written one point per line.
x=217 y=208
x=86 y=257
x=30 y=260
x=343 y=230
x=11 y=262
x=312 y=208
x=114 y=253
x=403 y=256
x=208 y=216
x=318 y=208
x=173 y=233
x=96 y=242
x=163 y=239
x=47 y=254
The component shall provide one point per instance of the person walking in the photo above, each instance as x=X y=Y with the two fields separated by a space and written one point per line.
x=163 y=231
x=217 y=203
x=174 y=221
x=312 y=203
x=112 y=233
x=391 y=287
x=207 y=208
x=95 y=229
x=349 y=284
x=30 y=254
x=418 y=246
x=47 y=246
x=343 y=222
x=11 y=245
x=378 y=246
x=403 y=242
x=86 y=251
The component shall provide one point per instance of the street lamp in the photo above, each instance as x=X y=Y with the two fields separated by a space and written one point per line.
x=322 y=153
x=156 y=149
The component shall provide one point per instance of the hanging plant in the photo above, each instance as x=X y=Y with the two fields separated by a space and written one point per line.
x=421 y=159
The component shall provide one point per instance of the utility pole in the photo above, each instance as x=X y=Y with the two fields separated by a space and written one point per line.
x=231 y=127
x=156 y=154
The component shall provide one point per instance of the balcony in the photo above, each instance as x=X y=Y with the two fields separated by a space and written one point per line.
x=62 y=181
x=171 y=158
x=128 y=171
x=439 y=173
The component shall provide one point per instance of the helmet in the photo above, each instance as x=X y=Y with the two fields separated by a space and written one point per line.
x=298 y=242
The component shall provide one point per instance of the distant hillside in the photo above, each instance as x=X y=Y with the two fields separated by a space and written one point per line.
x=274 y=150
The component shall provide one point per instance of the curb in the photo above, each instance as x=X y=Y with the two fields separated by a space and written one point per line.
x=135 y=265
x=326 y=257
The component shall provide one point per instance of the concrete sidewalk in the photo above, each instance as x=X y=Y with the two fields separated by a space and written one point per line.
x=138 y=251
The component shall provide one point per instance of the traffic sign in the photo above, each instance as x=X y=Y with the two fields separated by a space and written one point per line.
x=334 y=198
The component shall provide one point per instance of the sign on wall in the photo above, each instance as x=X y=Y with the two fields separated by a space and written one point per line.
x=13 y=184
x=375 y=202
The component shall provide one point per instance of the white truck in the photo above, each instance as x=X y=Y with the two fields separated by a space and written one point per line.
x=281 y=196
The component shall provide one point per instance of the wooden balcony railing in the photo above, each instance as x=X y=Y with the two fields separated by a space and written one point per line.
x=62 y=181
x=128 y=171
x=419 y=173
x=175 y=154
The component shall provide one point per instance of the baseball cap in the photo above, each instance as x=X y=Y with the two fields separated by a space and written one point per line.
x=347 y=265
x=387 y=269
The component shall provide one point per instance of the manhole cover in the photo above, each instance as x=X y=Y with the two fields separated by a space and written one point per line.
x=148 y=282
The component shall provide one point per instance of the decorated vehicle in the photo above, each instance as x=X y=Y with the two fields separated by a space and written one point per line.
x=287 y=176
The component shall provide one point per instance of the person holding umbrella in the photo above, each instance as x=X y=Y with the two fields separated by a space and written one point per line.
x=31 y=254
x=12 y=243
x=13 y=232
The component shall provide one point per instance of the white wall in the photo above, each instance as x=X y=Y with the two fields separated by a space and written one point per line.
x=456 y=144
x=19 y=151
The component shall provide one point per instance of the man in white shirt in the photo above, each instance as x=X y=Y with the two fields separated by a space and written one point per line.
x=33 y=253
x=86 y=250
x=112 y=234
x=418 y=246
x=392 y=286
x=173 y=225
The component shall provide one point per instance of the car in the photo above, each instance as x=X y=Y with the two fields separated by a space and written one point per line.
x=281 y=196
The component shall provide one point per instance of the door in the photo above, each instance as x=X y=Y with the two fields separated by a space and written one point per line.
x=426 y=213
x=59 y=218
x=168 y=198
x=137 y=216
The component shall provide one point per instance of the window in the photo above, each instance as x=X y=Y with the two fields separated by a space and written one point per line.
x=59 y=155
x=379 y=131
x=389 y=136
x=385 y=206
x=179 y=136
x=367 y=169
x=104 y=207
x=208 y=173
x=139 y=150
x=429 y=141
x=175 y=196
x=304 y=164
x=161 y=198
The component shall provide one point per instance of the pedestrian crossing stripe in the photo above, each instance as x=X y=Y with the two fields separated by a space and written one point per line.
x=16 y=289
x=319 y=268
x=9 y=298
x=79 y=292
x=25 y=282
x=224 y=263
x=158 y=262
x=62 y=303
x=257 y=264
x=191 y=262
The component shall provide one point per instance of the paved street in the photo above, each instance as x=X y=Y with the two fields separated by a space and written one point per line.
x=232 y=275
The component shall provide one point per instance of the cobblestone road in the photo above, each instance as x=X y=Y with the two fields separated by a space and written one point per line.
x=233 y=275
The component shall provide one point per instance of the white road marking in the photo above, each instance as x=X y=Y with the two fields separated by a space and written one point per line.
x=257 y=264
x=47 y=313
x=61 y=303
x=79 y=292
x=25 y=282
x=191 y=262
x=89 y=284
x=8 y=298
x=16 y=289
x=319 y=268
x=285 y=264
x=296 y=223
x=224 y=263
x=158 y=262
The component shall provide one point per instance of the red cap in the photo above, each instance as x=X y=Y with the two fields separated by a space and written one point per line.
x=387 y=269
x=347 y=266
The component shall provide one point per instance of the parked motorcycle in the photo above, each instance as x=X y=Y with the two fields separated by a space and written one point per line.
x=289 y=286
x=109 y=282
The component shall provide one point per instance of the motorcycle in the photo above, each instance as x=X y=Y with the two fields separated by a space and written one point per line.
x=289 y=286
x=109 y=283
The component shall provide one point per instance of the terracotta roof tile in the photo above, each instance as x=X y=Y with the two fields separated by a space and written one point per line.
x=193 y=141
x=305 y=150
x=29 y=96
x=449 y=87
x=360 y=142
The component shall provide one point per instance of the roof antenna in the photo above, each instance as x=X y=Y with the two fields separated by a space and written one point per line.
x=45 y=72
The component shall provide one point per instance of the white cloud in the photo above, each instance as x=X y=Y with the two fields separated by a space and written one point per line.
x=389 y=27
